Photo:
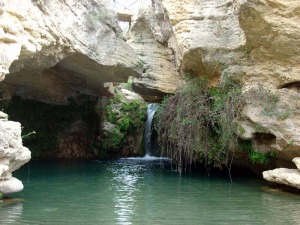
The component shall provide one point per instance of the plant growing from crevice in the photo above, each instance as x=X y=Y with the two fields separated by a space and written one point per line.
x=264 y=98
x=255 y=156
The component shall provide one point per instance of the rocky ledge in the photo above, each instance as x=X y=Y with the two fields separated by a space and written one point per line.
x=290 y=177
x=12 y=155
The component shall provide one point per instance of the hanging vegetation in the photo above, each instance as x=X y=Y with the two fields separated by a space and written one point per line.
x=196 y=124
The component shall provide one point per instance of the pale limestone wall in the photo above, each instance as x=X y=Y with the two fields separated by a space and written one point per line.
x=51 y=49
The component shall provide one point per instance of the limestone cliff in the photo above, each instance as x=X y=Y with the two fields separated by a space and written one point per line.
x=52 y=49
x=256 y=41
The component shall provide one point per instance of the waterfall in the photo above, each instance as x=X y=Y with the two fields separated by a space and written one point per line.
x=151 y=109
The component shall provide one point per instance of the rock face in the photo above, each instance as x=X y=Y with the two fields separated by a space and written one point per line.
x=52 y=49
x=73 y=142
x=290 y=177
x=151 y=36
x=12 y=155
x=11 y=185
x=271 y=68
x=207 y=32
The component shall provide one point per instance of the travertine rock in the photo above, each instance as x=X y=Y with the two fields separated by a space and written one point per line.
x=272 y=44
x=12 y=155
x=51 y=49
x=271 y=116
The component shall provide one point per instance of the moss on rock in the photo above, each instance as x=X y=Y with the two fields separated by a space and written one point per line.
x=126 y=117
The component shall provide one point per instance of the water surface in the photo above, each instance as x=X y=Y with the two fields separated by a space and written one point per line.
x=132 y=191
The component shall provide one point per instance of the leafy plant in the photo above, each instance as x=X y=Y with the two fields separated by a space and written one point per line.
x=127 y=85
x=113 y=140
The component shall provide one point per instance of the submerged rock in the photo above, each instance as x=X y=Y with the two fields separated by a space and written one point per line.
x=10 y=201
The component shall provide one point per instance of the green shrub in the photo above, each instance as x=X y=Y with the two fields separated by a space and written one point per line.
x=127 y=85
x=113 y=140
x=126 y=116
x=124 y=124
x=284 y=114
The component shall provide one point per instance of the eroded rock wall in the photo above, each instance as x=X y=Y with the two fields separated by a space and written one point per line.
x=51 y=49
x=272 y=42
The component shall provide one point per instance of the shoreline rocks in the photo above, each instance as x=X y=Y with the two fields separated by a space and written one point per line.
x=290 y=177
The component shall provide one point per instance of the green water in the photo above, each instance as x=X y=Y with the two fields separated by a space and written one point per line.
x=140 y=192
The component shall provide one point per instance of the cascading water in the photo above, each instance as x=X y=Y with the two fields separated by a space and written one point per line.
x=151 y=109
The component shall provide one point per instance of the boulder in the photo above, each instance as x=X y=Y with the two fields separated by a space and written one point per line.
x=290 y=177
x=11 y=185
x=208 y=34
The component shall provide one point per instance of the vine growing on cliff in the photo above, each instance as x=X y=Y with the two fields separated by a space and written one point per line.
x=197 y=123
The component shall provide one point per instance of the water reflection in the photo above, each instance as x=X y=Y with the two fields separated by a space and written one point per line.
x=11 y=214
x=124 y=184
